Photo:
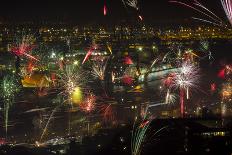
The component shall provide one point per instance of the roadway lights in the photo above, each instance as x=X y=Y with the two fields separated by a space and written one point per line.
x=61 y=58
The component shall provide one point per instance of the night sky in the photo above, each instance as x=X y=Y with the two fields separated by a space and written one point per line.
x=85 y=11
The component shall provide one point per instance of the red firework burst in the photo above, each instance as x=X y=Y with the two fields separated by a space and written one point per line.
x=89 y=104
x=107 y=112
x=23 y=48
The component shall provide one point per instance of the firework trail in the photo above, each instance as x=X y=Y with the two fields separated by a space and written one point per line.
x=165 y=57
x=9 y=88
x=58 y=100
x=169 y=56
x=49 y=120
x=89 y=53
x=105 y=10
x=198 y=7
x=227 y=6
x=139 y=135
x=153 y=63
x=109 y=48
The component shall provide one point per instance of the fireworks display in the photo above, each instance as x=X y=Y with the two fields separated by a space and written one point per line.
x=89 y=104
x=187 y=77
x=107 y=112
x=105 y=10
x=89 y=53
x=72 y=81
x=69 y=85
x=211 y=17
x=185 y=80
x=131 y=3
x=9 y=88
x=138 y=137
x=24 y=46
x=170 y=98
x=227 y=6
x=99 y=68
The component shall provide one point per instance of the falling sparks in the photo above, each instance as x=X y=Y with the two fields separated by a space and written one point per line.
x=72 y=80
x=89 y=104
x=131 y=3
x=99 y=68
x=107 y=112
x=227 y=90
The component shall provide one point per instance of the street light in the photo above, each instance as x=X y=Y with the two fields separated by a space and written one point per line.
x=140 y=48
x=75 y=62
x=53 y=55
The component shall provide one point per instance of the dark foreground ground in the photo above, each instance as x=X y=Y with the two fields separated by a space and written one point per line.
x=187 y=137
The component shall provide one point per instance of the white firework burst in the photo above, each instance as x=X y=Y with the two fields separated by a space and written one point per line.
x=131 y=3
x=99 y=68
